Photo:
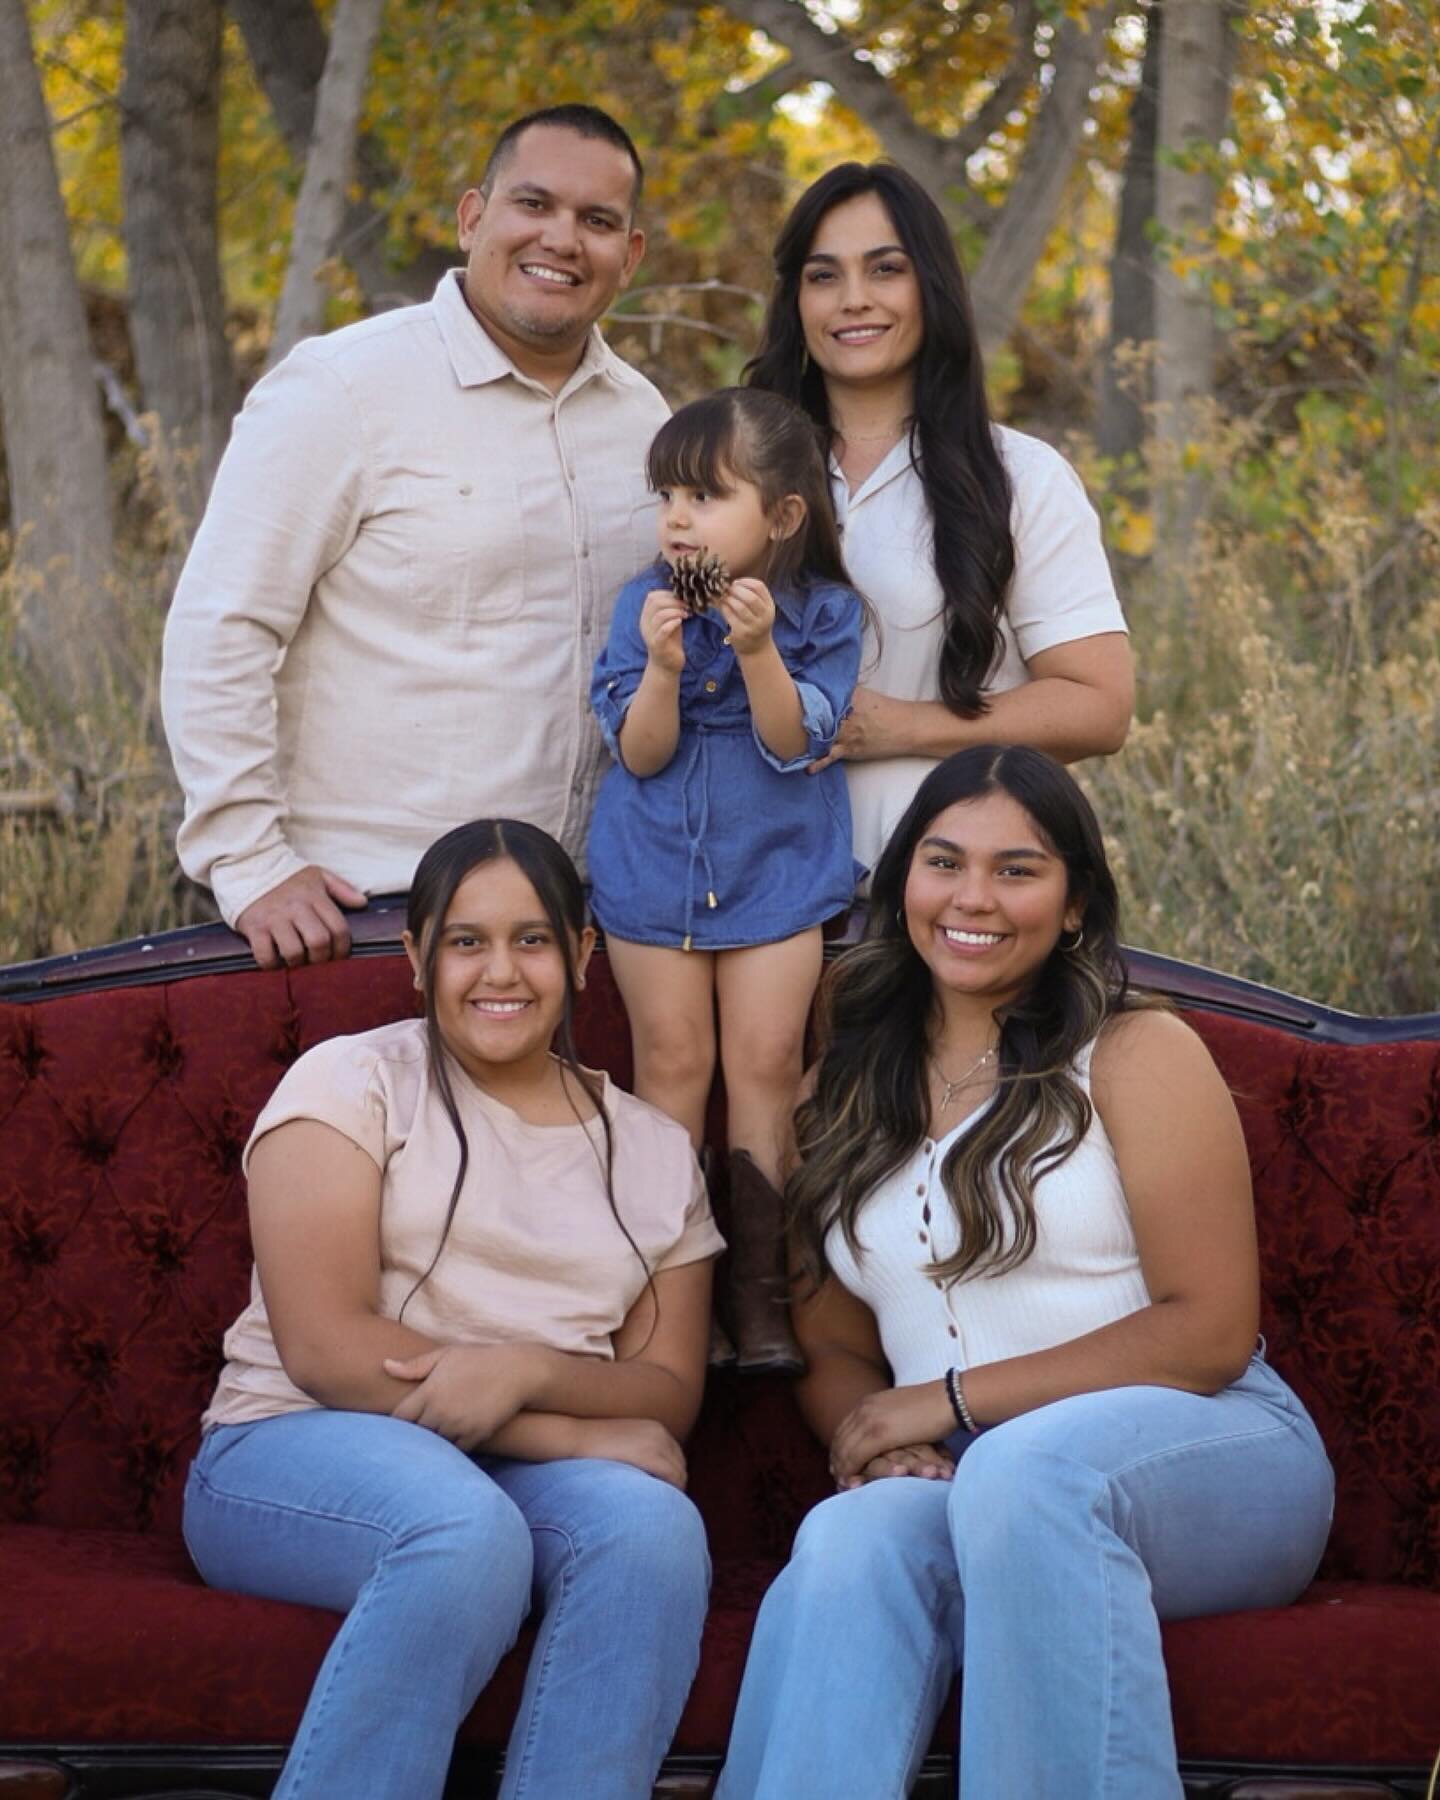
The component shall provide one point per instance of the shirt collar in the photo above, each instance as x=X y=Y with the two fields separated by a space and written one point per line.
x=477 y=359
x=891 y=466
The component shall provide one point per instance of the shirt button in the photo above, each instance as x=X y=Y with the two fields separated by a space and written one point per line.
x=923 y=1238
x=953 y=1332
x=709 y=687
x=920 y=1189
x=928 y=1146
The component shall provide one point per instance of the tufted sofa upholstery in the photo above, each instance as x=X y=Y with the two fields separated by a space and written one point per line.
x=124 y=1255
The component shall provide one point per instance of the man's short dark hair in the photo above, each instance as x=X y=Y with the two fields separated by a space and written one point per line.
x=584 y=121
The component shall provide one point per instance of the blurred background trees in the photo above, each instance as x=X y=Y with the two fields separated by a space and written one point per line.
x=1202 y=238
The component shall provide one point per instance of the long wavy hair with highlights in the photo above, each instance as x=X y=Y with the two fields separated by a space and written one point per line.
x=869 y=1109
x=952 y=441
x=557 y=884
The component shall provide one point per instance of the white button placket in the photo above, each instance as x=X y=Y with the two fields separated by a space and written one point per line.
x=926 y=1190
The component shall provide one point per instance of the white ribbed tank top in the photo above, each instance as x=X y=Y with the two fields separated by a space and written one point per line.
x=1084 y=1272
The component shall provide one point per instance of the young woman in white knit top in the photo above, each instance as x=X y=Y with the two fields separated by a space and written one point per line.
x=1023 y=1206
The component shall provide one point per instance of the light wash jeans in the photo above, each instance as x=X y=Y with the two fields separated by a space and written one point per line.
x=1044 y=1568
x=434 y=1559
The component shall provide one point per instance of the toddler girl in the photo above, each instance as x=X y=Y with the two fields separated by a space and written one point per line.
x=715 y=857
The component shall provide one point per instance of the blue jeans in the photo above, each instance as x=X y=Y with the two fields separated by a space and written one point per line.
x=1044 y=1568
x=434 y=1558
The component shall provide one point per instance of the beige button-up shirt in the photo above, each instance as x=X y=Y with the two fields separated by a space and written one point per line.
x=388 y=619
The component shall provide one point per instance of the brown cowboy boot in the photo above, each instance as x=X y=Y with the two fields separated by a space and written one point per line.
x=759 y=1302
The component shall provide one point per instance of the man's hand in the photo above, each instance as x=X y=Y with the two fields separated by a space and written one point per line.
x=299 y=921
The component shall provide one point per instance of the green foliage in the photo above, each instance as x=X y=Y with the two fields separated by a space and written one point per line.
x=1274 y=810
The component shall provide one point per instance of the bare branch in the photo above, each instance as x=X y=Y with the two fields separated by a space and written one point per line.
x=835 y=58
x=1007 y=92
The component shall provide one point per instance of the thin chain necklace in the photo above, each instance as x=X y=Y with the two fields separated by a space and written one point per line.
x=952 y=1088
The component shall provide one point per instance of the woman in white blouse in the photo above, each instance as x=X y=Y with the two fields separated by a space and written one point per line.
x=975 y=544
x=1023 y=1205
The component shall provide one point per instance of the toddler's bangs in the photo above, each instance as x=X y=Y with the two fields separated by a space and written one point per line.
x=694 y=449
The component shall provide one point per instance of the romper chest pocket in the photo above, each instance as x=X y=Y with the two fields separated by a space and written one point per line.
x=465 y=553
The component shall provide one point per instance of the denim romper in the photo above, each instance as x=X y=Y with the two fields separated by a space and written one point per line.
x=727 y=845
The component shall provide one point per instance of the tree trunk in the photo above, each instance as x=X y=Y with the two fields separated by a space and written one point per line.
x=1194 y=105
x=1124 y=378
x=1015 y=235
x=286 y=44
x=1017 y=238
x=169 y=153
x=54 y=440
x=320 y=207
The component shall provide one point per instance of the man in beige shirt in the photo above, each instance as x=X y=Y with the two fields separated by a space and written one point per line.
x=387 y=621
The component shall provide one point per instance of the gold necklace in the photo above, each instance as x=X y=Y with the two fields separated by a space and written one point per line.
x=953 y=1087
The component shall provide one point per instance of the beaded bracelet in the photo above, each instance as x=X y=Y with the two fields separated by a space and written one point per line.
x=963 y=1416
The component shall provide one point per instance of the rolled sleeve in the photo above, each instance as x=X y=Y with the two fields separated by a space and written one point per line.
x=824 y=672
x=621 y=664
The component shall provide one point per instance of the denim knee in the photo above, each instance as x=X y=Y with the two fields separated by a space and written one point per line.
x=1006 y=1484
x=659 y=1533
x=478 y=1556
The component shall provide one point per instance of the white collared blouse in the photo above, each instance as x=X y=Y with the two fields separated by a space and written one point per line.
x=1062 y=590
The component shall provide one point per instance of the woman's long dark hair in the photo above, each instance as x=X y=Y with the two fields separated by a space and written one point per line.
x=952 y=439
x=870 y=1106
x=557 y=884
x=771 y=443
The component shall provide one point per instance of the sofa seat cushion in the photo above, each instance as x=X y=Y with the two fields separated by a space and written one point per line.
x=1347 y=1675
x=112 y=1638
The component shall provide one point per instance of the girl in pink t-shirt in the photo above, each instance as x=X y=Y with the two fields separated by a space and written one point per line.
x=475 y=1340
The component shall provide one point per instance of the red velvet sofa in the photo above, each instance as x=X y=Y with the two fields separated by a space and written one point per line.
x=128 y=1083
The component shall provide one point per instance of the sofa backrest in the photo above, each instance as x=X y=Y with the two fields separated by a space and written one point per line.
x=124 y=1252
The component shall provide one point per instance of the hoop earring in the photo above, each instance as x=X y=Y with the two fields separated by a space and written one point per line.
x=1072 y=949
x=900 y=919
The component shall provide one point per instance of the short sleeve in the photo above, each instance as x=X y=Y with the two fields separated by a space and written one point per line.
x=699 y=1235
x=1062 y=589
x=338 y=1083
x=620 y=665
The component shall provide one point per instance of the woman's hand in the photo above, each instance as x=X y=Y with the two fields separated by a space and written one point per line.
x=466 y=1392
x=893 y=1419
x=876 y=725
x=643 y=1443
x=662 y=618
x=926 y=1461
x=749 y=611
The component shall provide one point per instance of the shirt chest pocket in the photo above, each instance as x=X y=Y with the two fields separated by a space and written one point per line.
x=465 y=551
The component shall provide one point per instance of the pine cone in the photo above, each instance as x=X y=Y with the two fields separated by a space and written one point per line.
x=699 y=579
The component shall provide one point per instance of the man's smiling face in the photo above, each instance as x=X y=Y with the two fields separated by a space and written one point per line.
x=551 y=244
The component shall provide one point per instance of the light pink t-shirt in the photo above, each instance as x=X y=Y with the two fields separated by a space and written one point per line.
x=534 y=1252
